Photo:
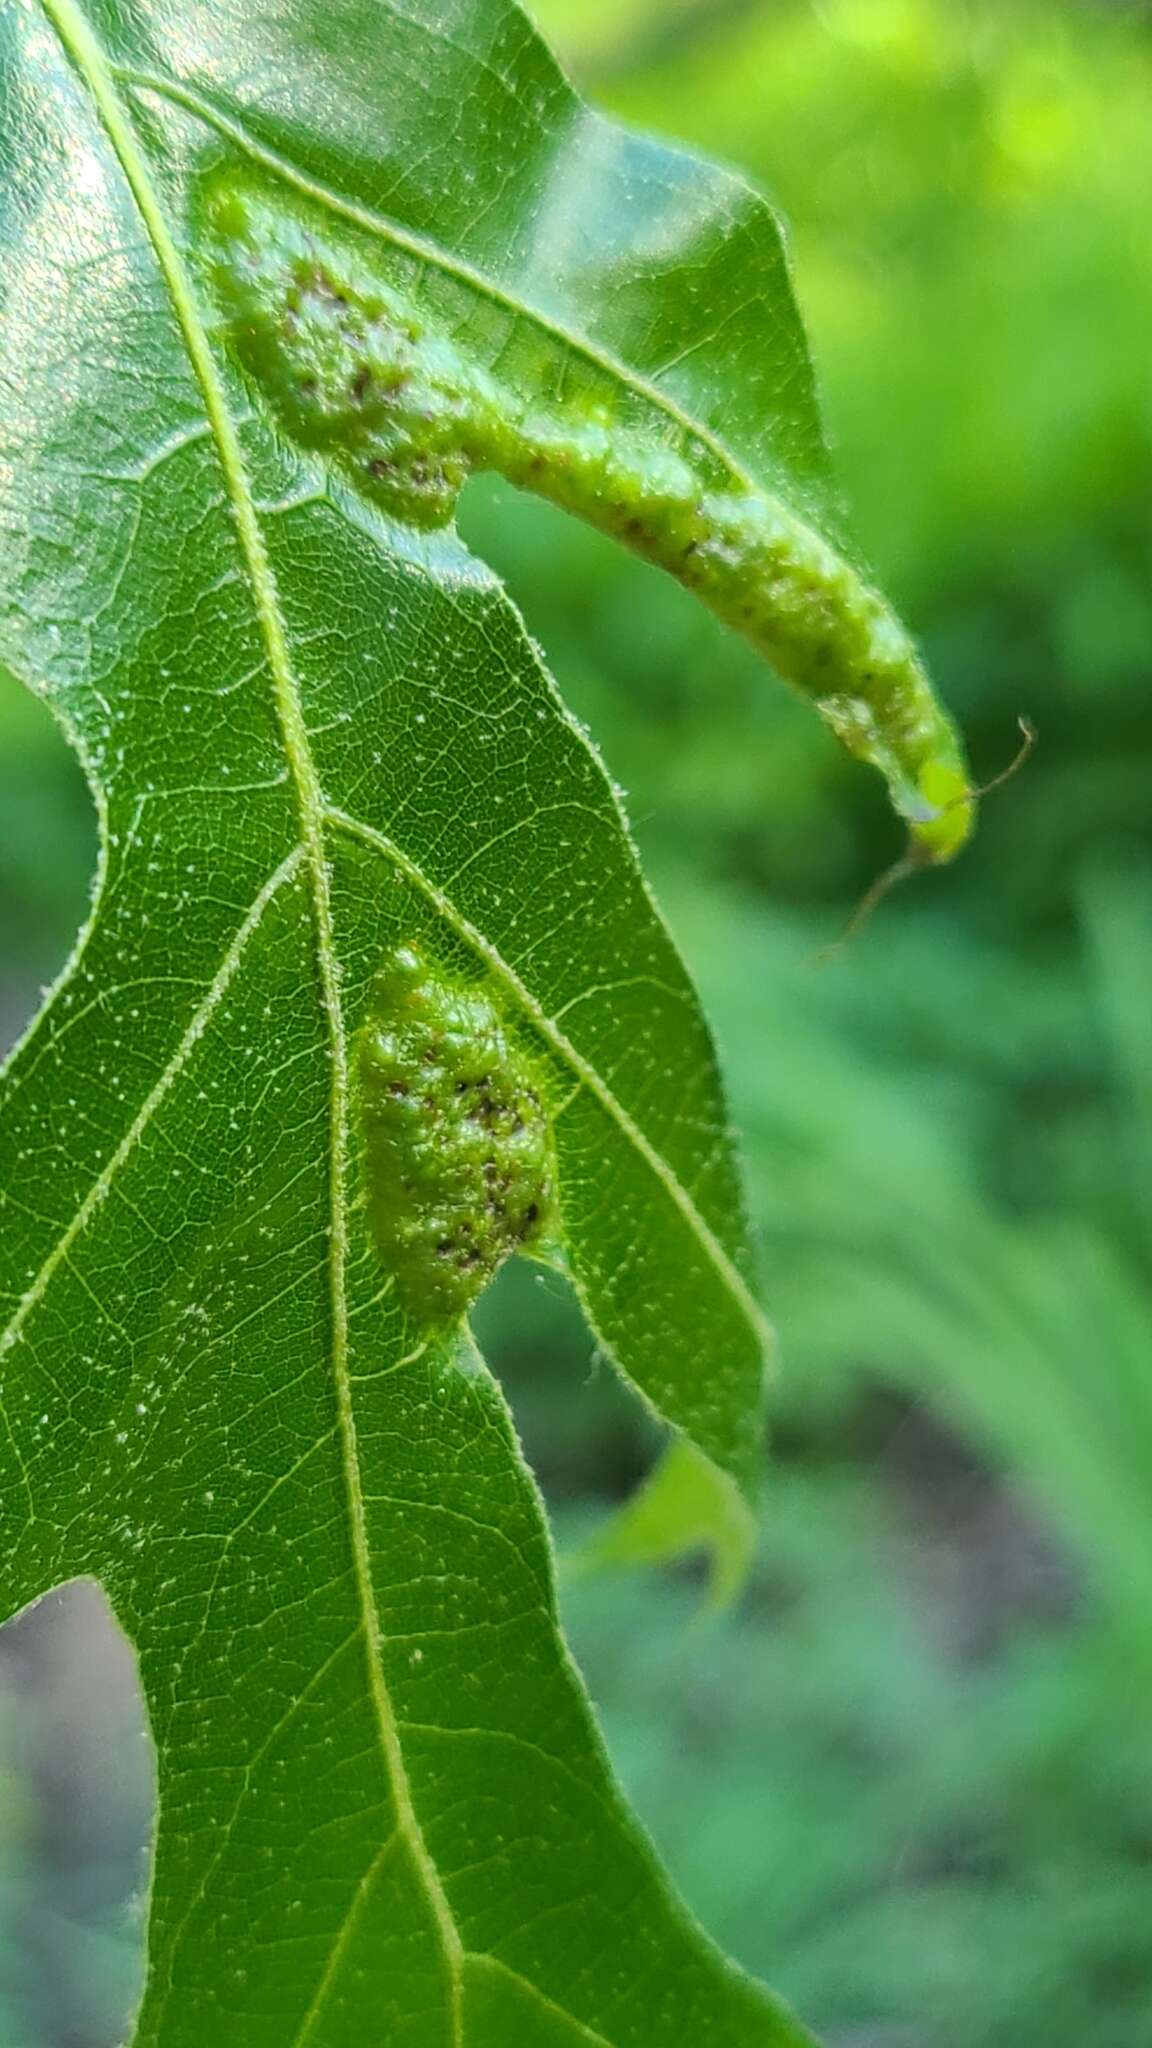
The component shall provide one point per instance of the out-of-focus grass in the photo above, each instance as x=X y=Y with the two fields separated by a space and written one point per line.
x=918 y=1849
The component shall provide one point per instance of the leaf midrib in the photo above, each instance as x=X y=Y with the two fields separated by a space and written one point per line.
x=316 y=815
x=82 y=47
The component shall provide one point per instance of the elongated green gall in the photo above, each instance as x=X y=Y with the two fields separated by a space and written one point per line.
x=362 y=361
x=457 y=1142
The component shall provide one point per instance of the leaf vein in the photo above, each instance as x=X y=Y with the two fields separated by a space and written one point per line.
x=437 y=258
x=344 y=1936
x=559 y=1042
x=587 y=2034
x=104 y=1180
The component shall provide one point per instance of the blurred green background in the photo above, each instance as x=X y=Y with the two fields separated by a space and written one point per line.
x=910 y=1777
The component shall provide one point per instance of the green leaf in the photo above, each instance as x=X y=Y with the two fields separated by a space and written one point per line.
x=687 y=1504
x=334 y=781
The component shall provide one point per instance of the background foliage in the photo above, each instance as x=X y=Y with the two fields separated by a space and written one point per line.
x=907 y=1778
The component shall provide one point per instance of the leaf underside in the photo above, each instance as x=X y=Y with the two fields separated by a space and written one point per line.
x=316 y=737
